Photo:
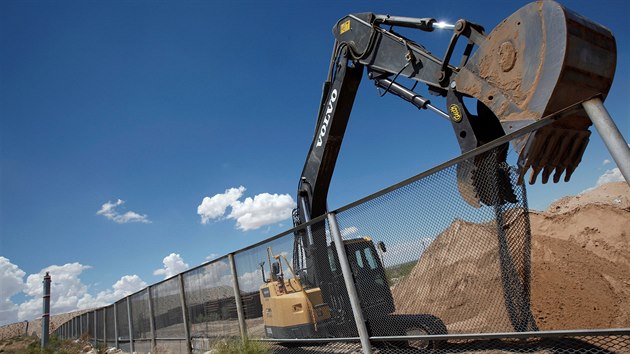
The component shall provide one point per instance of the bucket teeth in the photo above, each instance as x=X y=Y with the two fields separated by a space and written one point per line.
x=553 y=149
x=485 y=179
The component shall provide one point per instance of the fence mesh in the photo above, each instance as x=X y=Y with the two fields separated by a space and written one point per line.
x=210 y=303
x=605 y=344
x=110 y=328
x=445 y=252
x=100 y=325
x=167 y=309
x=140 y=315
x=427 y=261
x=249 y=267
x=122 y=320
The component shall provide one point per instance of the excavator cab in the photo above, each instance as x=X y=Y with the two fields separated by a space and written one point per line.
x=369 y=276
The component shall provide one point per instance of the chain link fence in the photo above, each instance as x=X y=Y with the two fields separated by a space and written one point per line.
x=428 y=265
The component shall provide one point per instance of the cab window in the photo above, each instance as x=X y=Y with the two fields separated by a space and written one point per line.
x=369 y=256
x=331 y=260
x=357 y=255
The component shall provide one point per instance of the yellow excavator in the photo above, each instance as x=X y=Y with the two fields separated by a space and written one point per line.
x=541 y=60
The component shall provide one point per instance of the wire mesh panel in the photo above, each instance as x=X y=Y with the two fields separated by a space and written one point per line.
x=140 y=316
x=110 y=326
x=82 y=324
x=167 y=309
x=210 y=303
x=142 y=346
x=301 y=290
x=250 y=265
x=90 y=324
x=100 y=325
x=446 y=253
x=122 y=321
x=562 y=344
x=174 y=346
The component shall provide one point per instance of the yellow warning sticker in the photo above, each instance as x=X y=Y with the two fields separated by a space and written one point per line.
x=456 y=115
x=345 y=27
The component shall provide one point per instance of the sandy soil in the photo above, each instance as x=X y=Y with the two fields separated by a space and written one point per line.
x=580 y=275
x=581 y=260
x=35 y=326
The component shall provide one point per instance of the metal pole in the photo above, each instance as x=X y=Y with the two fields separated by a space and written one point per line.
x=46 y=311
x=350 y=286
x=182 y=298
x=105 y=326
x=95 y=327
x=116 y=326
x=616 y=144
x=131 y=346
x=237 y=297
x=95 y=333
x=151 y=320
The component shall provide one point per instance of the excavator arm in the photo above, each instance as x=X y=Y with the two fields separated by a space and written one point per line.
x=542 y=60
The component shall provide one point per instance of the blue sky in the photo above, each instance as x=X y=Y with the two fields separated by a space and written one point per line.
x=160 y=104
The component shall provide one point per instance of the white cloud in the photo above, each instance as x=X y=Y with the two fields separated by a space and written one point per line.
x=127 y=285
x=109 y=211
x=613 y=175
x=250 y=281
x=173 y=265
x=250 y=214
x=264 y=209
x=12 y=282
x=213 y=208
x=606 y=162
x=212 y=256
x=68 y=293
x=66 y=290
x=609 y=176
x=347 y=231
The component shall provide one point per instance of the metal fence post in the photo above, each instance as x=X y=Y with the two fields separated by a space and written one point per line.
x=116 y=326
x=610 y=134
x=151 y=319
x=237 y=297
x=131 y=346
x=95 y=334
x=182 y=296
x=105 y=326
x=350 y=287
x=95 y=327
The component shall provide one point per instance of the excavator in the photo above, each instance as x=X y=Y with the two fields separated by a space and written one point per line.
x=531 y=70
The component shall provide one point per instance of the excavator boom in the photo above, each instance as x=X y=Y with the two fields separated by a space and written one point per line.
x=533 y=70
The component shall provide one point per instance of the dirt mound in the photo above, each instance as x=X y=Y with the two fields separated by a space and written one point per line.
x=616 y=194
x=459 y=279
x=35 y=326
x=580 y=269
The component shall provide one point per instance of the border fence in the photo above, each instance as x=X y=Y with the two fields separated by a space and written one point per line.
x=443 y=276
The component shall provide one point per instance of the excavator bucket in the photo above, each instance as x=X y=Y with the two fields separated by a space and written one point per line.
x=539 y=61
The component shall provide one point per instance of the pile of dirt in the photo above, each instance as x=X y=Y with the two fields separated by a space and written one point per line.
x=580 y=269
x=581 y=260
x=35 y=326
